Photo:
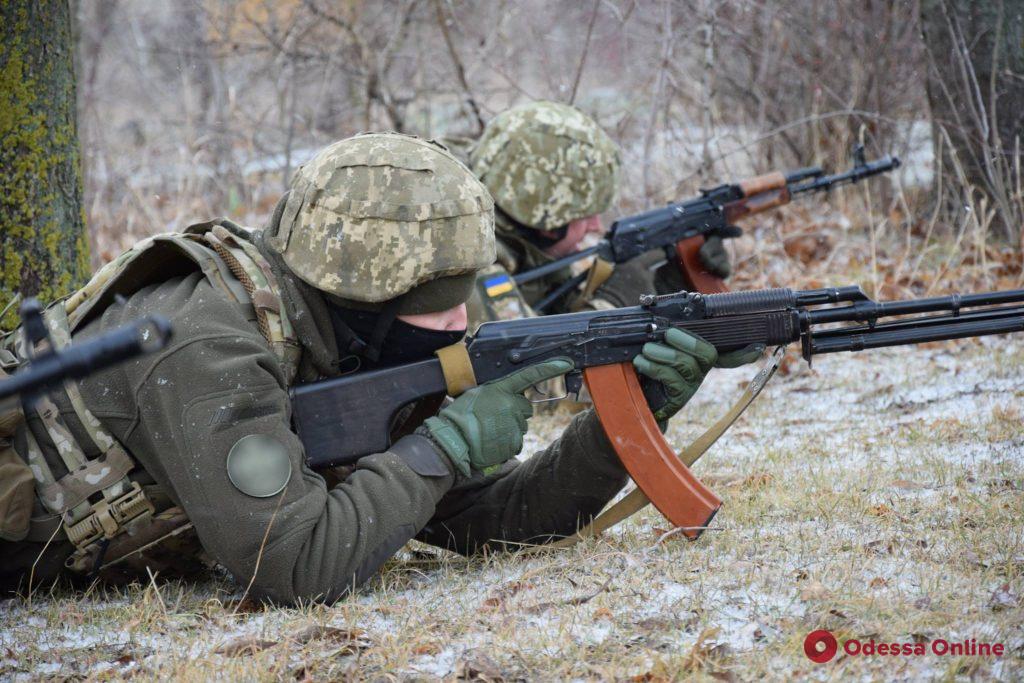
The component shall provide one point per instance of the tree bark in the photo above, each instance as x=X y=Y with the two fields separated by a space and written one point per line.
x=976 y=93
x=42 y=227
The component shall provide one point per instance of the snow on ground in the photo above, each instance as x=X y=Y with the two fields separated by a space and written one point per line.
x=876 y=494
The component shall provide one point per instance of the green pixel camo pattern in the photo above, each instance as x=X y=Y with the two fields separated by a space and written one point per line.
x=547 y=164
x=373 y=216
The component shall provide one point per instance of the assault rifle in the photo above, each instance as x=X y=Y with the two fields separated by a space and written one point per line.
x=681 y=228
x=343 y=419
x=80 y=358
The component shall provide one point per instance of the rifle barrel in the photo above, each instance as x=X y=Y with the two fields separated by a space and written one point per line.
x=998 y=312
x=881 y=336
x=859 y=172
x=560 y=291
x=870 y=310
x=804 y=173
x=557 y=265
x=81 y=358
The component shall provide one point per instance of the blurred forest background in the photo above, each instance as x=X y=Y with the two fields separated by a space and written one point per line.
x=192 y=109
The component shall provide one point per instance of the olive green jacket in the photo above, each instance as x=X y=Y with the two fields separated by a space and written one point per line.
x=180 y=410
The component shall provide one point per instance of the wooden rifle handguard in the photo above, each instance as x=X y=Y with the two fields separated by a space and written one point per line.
x=653 y=465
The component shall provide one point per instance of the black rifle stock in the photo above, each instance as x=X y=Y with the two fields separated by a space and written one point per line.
x=340 y=420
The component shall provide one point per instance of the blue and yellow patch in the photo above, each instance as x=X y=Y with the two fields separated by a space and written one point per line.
x=498 y=285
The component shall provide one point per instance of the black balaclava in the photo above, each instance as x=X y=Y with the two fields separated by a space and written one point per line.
x=402 y=343
x=542 y=239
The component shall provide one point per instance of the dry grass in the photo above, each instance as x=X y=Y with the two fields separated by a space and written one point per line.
x=878 y=496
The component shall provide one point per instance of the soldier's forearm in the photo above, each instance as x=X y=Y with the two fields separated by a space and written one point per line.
x=550 y=495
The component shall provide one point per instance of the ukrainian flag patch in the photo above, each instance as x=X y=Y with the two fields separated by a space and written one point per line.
x=498 y=285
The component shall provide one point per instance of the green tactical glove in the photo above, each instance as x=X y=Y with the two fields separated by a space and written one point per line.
x=680 y=364
x=485 y=426
x=715 y=258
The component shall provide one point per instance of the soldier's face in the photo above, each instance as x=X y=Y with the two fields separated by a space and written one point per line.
x=452 y=320
x=577 y=230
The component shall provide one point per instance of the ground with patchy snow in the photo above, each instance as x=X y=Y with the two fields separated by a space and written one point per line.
x=878 y=496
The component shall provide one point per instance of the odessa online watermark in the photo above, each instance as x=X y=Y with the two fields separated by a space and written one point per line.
x=821 y=646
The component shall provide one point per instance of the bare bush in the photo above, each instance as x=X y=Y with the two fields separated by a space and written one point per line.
x=205 y=107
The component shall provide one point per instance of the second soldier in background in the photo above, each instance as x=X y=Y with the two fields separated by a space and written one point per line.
x=552 y=172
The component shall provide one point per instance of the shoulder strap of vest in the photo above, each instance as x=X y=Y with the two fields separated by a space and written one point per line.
x=252 y=270
x=228 y=260
x=95 y=499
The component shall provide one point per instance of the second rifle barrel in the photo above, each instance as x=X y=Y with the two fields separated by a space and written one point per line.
x=555 y=266
x=919 y=322
x=881 y=337
x=869 y=310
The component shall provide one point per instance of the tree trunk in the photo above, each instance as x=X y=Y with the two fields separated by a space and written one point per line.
x=42 y=228
x=976 y=93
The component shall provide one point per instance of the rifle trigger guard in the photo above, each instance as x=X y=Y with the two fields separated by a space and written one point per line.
x=539 y=390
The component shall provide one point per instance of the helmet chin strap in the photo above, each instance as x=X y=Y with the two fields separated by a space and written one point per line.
x=384 y=322
x=370 y=349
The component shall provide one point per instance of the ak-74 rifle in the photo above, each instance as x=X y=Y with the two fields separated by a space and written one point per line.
x=343 y=419
x=681 y=228
x=80 y=358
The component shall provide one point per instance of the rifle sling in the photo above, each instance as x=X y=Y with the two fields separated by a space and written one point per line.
x=636 y=500
x=598 y=274
x=457 y=368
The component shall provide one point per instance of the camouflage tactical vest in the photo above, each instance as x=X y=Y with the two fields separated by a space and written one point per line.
x=117 y=525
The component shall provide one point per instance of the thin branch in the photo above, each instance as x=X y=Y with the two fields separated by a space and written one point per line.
x=460 y=70
x=586 y=51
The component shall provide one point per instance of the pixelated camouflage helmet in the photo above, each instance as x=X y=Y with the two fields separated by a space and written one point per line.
x=547 y=164
x=371 y=217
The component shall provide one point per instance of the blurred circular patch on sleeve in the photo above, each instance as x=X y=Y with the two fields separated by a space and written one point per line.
x=258 y=465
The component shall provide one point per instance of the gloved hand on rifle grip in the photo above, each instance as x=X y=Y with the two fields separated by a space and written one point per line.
x=714 y=257
x=484 y=427
x=680 y=364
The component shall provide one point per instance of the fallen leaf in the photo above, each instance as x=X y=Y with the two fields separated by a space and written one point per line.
x=704 y=651
x=908 y=485
x=477 y=666
x=659 y=624
x=1003 y=598
x=353 y=639
x=602 y=613
x=427 y=649
x=498 y=597
x=245 y=606
x=813 y=590
x=758 y=481
x=808 y=248
x=880 y=510
x=1004 y=484
x=878 y=547
x=248 y=645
